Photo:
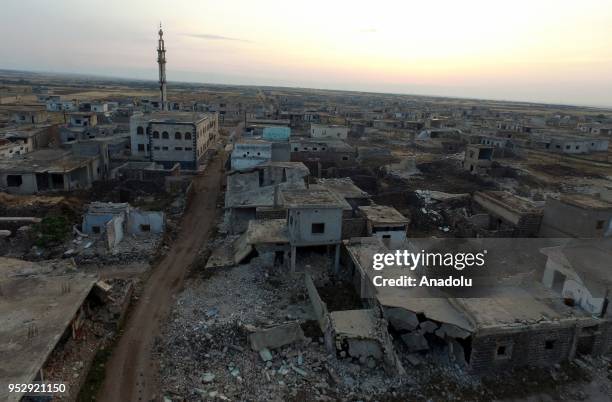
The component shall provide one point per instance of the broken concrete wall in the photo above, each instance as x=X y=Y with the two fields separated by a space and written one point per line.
x=270 y=213
x=318 y=305
x=239 y=219
x=363 y=335
x=114 y=232
x=525 y=347
x=143 y=222
x=277 y=336
x=353 y=227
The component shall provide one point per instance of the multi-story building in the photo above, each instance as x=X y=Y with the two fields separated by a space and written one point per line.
x=173 y=137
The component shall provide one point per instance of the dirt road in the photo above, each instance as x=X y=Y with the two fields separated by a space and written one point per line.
x=131 y=372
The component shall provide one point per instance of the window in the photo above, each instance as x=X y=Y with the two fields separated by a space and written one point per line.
x=95 y=229
x=178 y=148
x=177 y=136
x=145 y=228
x=156 y=148
x=550 y=344
x=295 y=149
x=141 y=148
x=318 y=228
x=14 y=180
x=188 y=148
x=599 y=225
x=503 y=350
x=187 y=136
x=165 y=135
x=345 y=158
x=164 y=148
x=155 y=134
x=139 y=130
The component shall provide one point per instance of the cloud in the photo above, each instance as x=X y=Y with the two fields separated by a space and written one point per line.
x=368 y=30
x=217 y=37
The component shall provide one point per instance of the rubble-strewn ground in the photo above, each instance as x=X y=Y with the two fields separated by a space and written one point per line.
x=204 y=352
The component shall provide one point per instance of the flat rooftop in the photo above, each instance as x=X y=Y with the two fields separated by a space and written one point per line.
x=508 y=200
x=590 y=259
x=331 y=144
x=383 y=215
x=44 y=160
x=312 y=197
x=586 y=201
x=36 y=309
x=173 y=117
x=344 y=187
x=267 y=231
x=496 y=307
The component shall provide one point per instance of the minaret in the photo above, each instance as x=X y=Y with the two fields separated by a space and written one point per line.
x=161 y=60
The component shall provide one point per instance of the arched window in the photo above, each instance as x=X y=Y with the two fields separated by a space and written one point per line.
x=155 y=134
x=165 y=135
x=140 y=130
x=177 y=136
x=187 y=136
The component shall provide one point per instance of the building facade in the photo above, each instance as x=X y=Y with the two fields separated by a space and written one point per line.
x=173 y=137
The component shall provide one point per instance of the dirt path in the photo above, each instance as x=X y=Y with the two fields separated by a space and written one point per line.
x=131 y=372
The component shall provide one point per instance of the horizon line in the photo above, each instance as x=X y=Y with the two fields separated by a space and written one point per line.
x=126 y=78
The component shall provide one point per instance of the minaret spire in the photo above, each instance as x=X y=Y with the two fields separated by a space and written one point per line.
x=161 y=61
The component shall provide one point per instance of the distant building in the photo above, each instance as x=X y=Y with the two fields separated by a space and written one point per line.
x=173 y=137
x=99 y=107
x=566 y=144
x=83 y=119
x=56 y=104
x=27 y=115
x=276 y=133
x=478 y=158
x=9 y=149
x=328 y=131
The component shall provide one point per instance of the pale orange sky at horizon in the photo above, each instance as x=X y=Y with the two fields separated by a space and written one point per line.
x=538 y=50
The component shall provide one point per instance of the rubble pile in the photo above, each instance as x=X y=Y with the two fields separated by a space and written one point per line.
x=205 y=350
x=92 y=250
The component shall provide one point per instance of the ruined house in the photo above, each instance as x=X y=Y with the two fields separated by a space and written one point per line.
x=314 y=218
x=386 y=223
x=49 y=170
x=38 y=310
x=478 y=158
x=254 y=193
x=580 y=273
x=577 y=215
x=504 y=327
x=114 y=220
x=506 y=215
x=319 y=154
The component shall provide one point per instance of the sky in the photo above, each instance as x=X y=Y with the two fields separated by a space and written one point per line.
x=528 y=50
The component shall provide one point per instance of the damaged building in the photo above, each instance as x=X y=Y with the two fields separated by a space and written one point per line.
x=254 y=193
x=49 y=170
x=505 y=327
x=39 y=310
x=115 y=220
x=577 y=215
x=478 y=158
